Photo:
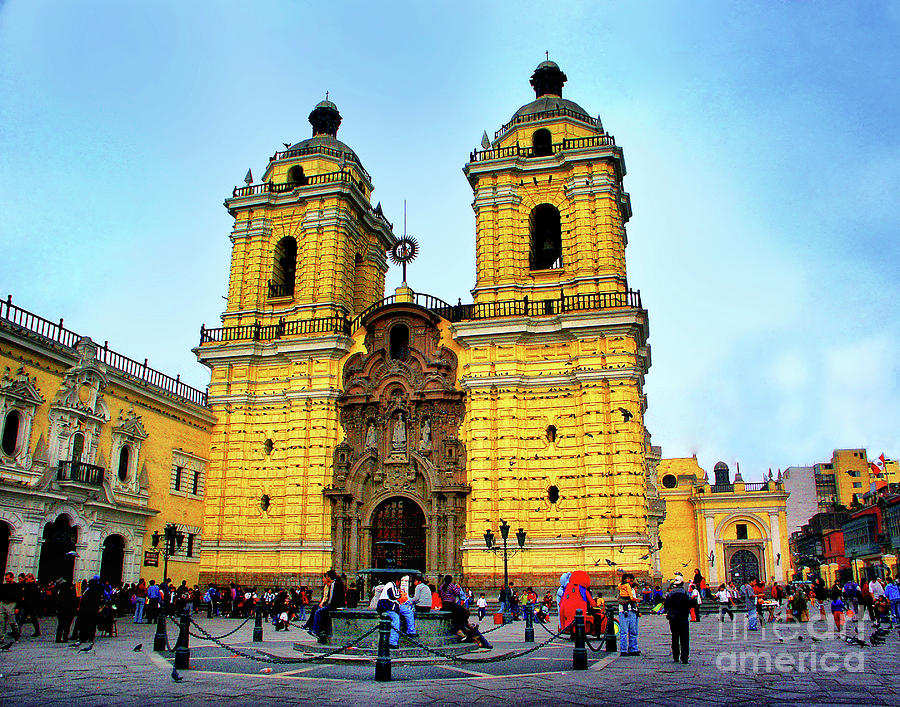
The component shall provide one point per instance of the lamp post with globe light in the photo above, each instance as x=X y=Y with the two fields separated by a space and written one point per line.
x=506 y=551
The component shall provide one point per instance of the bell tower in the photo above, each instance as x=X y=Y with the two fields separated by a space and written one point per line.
x=308 y=255
x=549 y=204
x=555 y=350
x=307 y=242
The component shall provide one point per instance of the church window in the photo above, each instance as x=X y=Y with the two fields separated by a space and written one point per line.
x=11 y=427
x=669 y=481
x=546 y=237
x=359 y=284
x=124 y=455
x=553 y=494
x=399 y=342
x=284 y=268
x=551 y=434
x=741 y=531
x=542 y=143
x=77 y=446
x=296 y=176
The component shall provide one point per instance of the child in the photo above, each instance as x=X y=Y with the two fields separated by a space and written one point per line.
x=837 y=611
x=282 y=623
x=482 y=607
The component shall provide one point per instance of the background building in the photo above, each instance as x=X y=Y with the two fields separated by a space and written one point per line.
x=728 y=530
x=96 y=452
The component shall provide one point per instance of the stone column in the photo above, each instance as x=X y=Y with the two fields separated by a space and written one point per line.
x=434 y=560
x=775 y=532
x=354 y=540
x=339 y=536
x=365 y=554
x=450 y=519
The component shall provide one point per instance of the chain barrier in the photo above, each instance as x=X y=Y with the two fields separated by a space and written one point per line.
x=494 y=659
x=224 y=635
x=269 y=658
x=586 y=640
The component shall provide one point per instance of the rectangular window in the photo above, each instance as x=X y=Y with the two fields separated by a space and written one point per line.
x=741 y=531
x=179 y=472
x=188 y=474
x=189 y=547
x=857 y=485
x=195 y=485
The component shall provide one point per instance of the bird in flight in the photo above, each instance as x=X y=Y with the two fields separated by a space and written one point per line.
x=645 y=557
x=626 y=415
x=287 y=145
x=622 y=549
x=685 y=564
x=611 y=563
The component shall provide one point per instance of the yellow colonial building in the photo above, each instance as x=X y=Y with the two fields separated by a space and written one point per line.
x=729 y=530
x=97 y=452
x=349 y=422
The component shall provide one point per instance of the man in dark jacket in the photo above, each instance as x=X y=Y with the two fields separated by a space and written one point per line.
x=66 y=604
x=678 y=610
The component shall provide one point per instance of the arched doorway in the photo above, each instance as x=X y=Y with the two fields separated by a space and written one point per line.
x=399 y=520
x=58 y=551
x=112 y=561
x=4 y=546
x=744 y=565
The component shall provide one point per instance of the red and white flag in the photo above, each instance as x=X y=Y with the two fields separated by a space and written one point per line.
x=877 y=465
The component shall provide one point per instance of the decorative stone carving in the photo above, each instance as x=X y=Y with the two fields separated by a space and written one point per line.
x=19 y=394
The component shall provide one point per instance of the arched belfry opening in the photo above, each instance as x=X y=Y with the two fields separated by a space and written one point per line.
x=542 y=143
x=545 y=229
x=296 y=176
x=399 y=342
x=284 y=268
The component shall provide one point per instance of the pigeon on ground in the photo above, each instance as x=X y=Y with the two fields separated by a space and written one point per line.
x=175 y=676
x=75 y=645
x=138 y=647
x=6 y=646
x=89 y=648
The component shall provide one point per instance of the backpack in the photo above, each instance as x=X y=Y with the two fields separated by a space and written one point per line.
x=851 y=590
x=625 y=592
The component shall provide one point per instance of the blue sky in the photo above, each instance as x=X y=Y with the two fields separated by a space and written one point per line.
x=761 y=140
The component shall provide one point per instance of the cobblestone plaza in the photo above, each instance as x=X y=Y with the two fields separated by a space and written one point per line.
x=790 y=665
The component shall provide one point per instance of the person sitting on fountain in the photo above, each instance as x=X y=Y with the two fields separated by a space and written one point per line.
x=391 y=604
x=333 y=597
x=421 y=599
x=452 y=599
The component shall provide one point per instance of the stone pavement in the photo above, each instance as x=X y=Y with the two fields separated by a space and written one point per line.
x=785 y=666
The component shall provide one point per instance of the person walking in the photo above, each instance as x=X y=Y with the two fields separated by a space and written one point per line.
x=677 y=606
x=482 y=607
x=724 y=599
x=66 y=604
x=892 y=594
x=9 y=597
x=749 y=595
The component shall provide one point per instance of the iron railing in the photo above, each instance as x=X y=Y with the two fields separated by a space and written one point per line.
x=320 y=150
x=281 y=289
x=312 y=180
x=762 y=486
x=721 y=488
x=630 y=299
x=546 y=115
x=75 y=470
x=269 y=332
x=542 y=150
x=141 y=372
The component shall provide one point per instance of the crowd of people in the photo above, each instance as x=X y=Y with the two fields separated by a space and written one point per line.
x=95 y=605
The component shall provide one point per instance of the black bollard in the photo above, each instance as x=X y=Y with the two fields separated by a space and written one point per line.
x=383 y=661
x=579 y=653
x=610 y=635
x=529 y=623
x=182 y=649
x=160 y=639
x=257 y=627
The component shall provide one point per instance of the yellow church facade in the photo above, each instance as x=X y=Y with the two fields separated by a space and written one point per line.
x=351 y=426
x=729 y=530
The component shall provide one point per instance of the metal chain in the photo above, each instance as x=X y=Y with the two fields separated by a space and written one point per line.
x=586 y=641
x=269 y=658
x=224 y=635
x=495 y=659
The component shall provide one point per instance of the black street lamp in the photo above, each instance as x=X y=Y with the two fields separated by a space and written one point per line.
x=506 y=551
x=173 y=539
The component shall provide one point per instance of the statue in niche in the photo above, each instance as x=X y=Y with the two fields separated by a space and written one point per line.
x=398 y=443
x=425 y=436
x=371 y=440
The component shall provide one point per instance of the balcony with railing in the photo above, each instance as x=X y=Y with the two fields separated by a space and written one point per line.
x=54 y=332
x=80 y=472
x=560 y=112
x=338 y=324
x=320 y=150
x=280 y=289
x=527 y=151
x=311 y=180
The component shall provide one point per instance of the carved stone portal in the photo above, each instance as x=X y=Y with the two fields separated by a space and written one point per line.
x=401 y=412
